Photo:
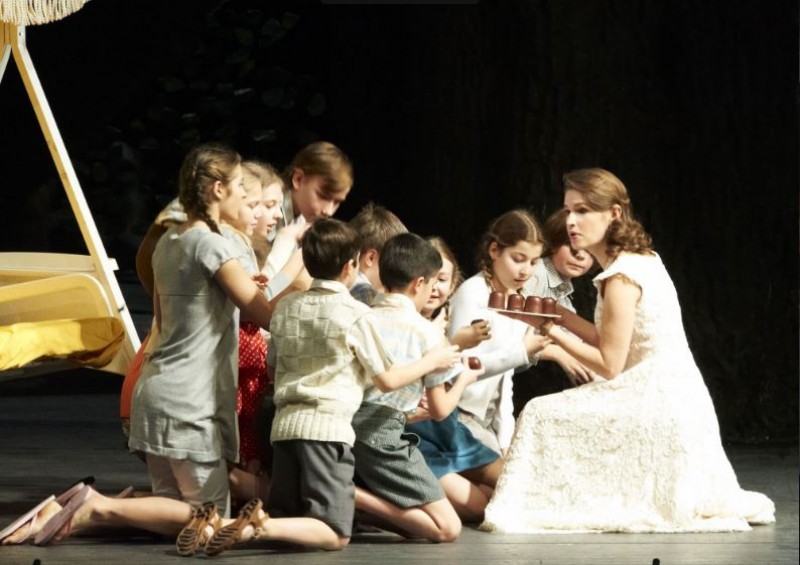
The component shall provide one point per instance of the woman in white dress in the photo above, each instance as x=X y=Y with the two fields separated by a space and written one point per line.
x=640 y=451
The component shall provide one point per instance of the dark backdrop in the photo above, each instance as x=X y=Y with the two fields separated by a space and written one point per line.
x=452 y=115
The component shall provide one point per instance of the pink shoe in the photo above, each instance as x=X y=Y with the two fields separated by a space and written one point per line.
x=28 y=519
x=65 y=496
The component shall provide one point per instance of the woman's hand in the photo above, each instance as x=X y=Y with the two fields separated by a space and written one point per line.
x=577 y=373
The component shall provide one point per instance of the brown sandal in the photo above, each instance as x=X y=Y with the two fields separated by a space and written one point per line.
x=195 y=534
x=224 y=538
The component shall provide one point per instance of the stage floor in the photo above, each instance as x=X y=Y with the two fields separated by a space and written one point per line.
x=58 y=428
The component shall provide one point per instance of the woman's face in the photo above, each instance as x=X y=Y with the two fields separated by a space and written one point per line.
x=271 y=212
x=571 y=263
x=513 y=266
x=587 y=228
x=442 y=287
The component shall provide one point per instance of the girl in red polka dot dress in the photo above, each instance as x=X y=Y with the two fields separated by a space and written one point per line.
x=259 y=215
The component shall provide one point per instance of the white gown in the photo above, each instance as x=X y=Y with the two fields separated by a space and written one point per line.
x=639 y=453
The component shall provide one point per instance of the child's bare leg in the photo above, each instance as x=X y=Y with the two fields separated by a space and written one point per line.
x=308 y=532
x=253 y=466
x=255 y=524
x=246 y=484
x=485 y=474
x=436 y=521
x=468 y=499
x=156 y=514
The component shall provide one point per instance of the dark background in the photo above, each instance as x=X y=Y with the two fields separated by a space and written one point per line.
x=453 y=114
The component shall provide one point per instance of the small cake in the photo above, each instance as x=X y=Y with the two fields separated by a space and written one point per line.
x=497 y=300
x=533 y=304
x=516 y=302
x=548 y=306
x=474 y=363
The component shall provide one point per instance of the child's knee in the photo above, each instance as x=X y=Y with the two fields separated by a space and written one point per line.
x=449 y=532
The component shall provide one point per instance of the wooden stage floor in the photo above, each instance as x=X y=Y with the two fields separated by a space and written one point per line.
x=57 y=428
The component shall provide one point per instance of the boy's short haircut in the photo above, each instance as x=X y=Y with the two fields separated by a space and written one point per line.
x=324 y=159
x=375 y=225
x=327 y=246
x=406 y=257
x=555 y=232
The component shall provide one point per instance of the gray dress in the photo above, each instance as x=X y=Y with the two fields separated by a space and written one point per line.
x=184 y=404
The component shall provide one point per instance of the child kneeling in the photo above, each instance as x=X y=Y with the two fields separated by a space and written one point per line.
x=323 y=350
x=403 y=491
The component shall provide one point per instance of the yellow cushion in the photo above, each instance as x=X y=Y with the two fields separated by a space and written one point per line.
x=90 y=341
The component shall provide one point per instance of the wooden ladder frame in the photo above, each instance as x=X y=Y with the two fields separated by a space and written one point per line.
x=12 y=39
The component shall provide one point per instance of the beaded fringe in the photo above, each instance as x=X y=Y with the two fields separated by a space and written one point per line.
x=33 y=12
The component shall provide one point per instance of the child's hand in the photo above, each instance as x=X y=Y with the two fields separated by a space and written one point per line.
x=442 y=357
x=421 y=413
x=294 y=231
x=261 y=280
x=469 y=376
x=534 y=342
x=471 y=335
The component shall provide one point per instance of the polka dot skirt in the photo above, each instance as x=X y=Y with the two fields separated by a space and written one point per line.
x=253 y=386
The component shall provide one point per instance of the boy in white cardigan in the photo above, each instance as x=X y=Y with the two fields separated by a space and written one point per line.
x=324 y=350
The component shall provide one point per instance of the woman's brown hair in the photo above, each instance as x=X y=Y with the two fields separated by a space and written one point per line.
x=602 y=190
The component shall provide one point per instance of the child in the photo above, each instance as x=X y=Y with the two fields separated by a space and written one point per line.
x=257 y=177
x=318 y=180
x=375 y=225
x=252 y=381
x=183 y=415
x=437 y=309
x=264 y=178
x=324 y=349
x=194 y=312
x=560 y=263
x=507 y=254
x=552 y=278
x=465 y=467
x=402 y=489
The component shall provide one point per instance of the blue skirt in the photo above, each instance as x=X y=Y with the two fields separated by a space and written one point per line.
x=449 y=447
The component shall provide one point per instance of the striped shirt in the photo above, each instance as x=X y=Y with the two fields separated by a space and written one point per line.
x=406 y=336
x=547 y=283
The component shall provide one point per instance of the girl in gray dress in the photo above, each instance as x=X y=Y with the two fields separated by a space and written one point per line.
x=184 y=404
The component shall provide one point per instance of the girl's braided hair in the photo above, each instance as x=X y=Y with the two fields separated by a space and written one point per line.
x=202 y=167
